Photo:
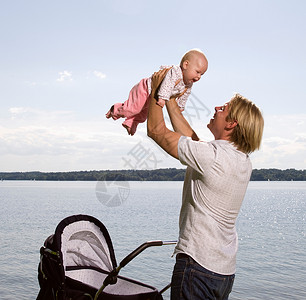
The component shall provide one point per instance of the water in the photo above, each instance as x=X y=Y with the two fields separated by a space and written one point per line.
x=271 y=227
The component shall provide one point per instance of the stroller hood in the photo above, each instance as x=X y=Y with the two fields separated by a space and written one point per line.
x=84 y=241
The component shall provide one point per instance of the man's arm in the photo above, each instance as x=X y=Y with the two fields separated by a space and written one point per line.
x=157 y=130
x=179 y=123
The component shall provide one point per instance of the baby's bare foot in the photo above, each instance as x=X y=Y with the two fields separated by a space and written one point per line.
x=109 y=114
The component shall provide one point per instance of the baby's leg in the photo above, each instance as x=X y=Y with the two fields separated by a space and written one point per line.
x=133 y=105
x=114 y=112
x=136 y=101
x=130 y=125
x=110 y=113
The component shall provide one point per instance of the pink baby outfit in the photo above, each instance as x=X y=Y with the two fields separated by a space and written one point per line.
x=135 y=108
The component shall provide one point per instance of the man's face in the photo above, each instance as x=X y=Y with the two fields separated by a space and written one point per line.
x=218 y=122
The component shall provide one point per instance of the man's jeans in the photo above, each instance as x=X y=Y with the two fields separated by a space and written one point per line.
x=191 y=281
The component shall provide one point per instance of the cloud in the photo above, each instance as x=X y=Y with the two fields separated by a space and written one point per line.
x=99 y=74
x=284 y=143
x=29 y=115
x=58 y=140
x=79 y=77
x=64 y=76
x=33 y=139
x=17 y=110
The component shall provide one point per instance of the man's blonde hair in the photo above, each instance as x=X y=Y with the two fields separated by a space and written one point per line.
x=247 y=135
x=191 y=53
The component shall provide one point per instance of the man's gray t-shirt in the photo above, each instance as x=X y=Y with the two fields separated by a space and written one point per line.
x=215 y=183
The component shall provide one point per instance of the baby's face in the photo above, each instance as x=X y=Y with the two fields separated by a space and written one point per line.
x=193 y=69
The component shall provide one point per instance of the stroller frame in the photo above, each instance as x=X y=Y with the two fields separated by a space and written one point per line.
x=78 y=262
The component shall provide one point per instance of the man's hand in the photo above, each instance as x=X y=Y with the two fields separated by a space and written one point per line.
x=161 y=102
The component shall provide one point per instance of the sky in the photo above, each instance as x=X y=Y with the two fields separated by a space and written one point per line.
x=64 y=63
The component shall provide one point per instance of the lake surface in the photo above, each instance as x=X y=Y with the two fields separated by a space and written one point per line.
x=271 y=261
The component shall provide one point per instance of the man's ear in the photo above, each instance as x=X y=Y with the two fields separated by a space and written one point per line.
x=232 y=124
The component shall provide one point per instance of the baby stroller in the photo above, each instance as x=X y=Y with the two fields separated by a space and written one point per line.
x=78 y=263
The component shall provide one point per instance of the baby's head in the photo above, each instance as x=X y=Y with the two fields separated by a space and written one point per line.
x=193 y=64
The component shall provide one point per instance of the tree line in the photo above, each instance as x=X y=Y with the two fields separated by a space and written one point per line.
x=169 y=174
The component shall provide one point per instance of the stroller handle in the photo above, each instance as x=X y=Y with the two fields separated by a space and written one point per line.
x=112 y=276
x=141 y=248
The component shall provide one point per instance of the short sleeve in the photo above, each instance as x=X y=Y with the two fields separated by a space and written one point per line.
x=198 y=155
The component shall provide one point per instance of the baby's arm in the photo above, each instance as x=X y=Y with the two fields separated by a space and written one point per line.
x=182 y=99
x=167 y=85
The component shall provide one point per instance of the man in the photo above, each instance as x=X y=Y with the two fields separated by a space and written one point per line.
x=215 y=183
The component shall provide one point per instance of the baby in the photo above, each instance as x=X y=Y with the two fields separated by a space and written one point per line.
x=177 y=81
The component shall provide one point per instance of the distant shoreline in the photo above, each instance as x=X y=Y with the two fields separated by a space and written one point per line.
x=169 y=174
